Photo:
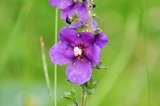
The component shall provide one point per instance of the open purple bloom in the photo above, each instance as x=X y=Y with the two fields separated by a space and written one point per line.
x=69 y=7
x=82 y=49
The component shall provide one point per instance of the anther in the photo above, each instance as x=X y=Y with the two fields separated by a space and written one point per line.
x=80 y=59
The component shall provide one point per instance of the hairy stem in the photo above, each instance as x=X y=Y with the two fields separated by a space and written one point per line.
x=89 y=28
x=89 y=21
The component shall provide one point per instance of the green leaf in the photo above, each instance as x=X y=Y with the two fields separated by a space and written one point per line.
x=70 y=105
x=70 y=95
x=100 y=66
x=73 y=92
x=92 y=86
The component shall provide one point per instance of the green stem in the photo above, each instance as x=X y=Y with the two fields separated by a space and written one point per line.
x=84 y=94
x=145 y=50
x=55 y=66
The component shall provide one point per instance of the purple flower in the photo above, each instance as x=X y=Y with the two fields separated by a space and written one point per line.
x=82 y=49
x=69 y=7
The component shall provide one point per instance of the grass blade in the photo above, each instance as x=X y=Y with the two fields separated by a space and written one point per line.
x=46 y=70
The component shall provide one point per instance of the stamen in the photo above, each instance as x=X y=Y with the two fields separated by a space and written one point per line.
x=82 y=60
x=79 y=58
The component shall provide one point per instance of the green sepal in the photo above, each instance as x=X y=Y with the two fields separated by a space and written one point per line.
x=98 y=30
x=74 y=17
x=95 y=17
x=79 y=30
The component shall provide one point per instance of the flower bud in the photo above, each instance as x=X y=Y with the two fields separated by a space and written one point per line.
x=69 y=19
x=93 y=5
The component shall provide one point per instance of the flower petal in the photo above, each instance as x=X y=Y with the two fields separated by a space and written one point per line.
x=69 y=36
x=81 y=11
x=79 y=72
x=76 y=25
x=69 y=11
x=86 y=38
x=72 y=38
x=94 y=25
x=101 y=40
x=61 y=53
x=61 y=3
x=93 y=54
x=79 y=8
x=80 y=25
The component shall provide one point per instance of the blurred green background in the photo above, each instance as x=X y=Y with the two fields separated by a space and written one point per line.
x=131 y=56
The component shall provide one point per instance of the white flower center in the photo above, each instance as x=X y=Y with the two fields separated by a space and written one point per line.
x=77 y=51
